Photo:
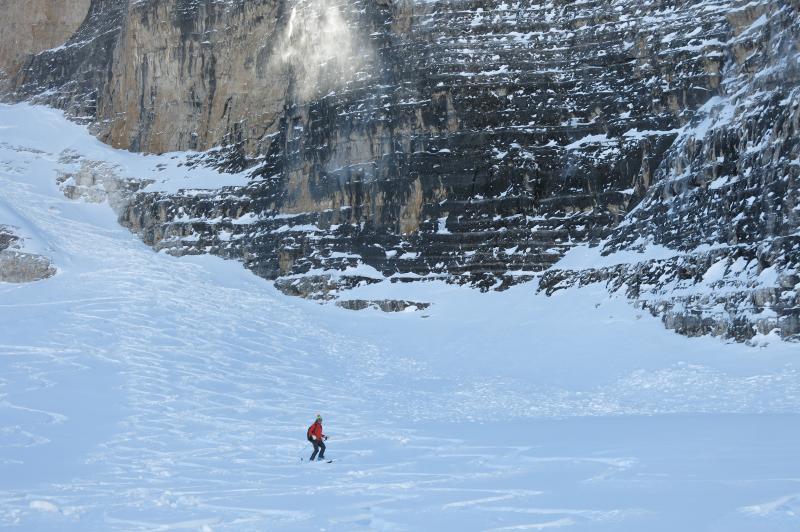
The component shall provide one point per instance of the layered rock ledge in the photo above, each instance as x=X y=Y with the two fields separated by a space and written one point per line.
x=472 y=140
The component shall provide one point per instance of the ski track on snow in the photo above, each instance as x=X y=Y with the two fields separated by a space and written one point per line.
x=172 y=394
x=211 y=414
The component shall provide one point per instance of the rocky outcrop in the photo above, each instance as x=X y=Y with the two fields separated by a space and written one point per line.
x=320 y=287
x=7 y=238
x=17 y=266
x=385 y=305
x=724 y=292
x=97 y=182
x=32 y=26
x=471 y=140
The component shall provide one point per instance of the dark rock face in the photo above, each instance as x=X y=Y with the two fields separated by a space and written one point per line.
x=7 y=238
x=479 y=140
x=73 y=75
x=725 y=197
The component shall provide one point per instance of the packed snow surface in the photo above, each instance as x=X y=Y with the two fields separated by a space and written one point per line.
x=144 y=392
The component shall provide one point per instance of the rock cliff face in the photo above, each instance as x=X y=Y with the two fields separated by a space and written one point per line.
x=71 y=76
x=725 y=196
x=476 y=140
x=31 y=26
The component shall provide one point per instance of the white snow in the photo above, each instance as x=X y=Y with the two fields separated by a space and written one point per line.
x=144 y=392
x=601 y=138
x=441 y=227
x=44 y=506
x=585 y=257
x=787 y=504
x=169 y=171
x=763 y=20
x=719 y=183
x=636 y=134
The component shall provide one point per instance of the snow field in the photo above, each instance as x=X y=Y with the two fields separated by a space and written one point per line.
x=143 y=392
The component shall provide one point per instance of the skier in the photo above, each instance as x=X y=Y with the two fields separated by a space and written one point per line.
x=316 y=437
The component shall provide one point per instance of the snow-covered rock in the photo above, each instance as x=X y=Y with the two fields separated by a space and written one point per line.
x=17 y=266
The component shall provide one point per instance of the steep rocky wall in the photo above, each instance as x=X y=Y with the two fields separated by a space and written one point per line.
x=32 y=26
x=164 y=75
x=726 y=197
x=72 y=76
x=196 y=75
x=477 y=140
x=482 y=136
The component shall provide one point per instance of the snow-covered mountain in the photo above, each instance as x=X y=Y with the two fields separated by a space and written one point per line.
x=515 y=195
x=473 y=140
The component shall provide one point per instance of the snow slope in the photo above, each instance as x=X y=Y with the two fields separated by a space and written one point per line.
x=143 y=392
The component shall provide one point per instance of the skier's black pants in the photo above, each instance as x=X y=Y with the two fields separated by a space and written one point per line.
x=319 y=447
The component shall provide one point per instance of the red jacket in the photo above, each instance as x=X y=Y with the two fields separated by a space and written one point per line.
x=316 y=431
